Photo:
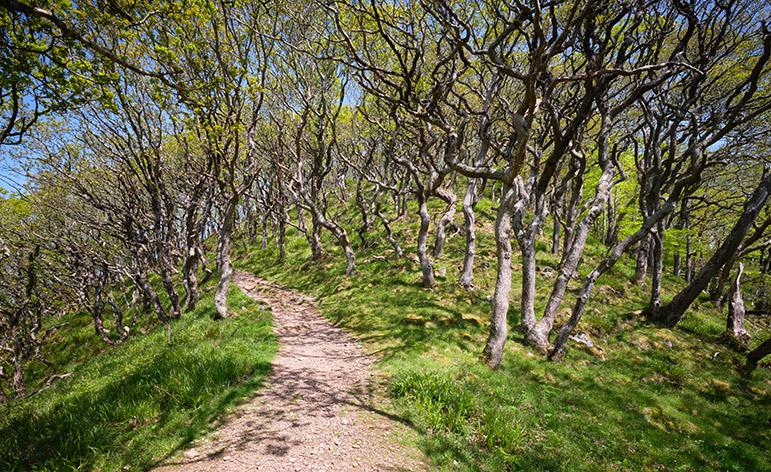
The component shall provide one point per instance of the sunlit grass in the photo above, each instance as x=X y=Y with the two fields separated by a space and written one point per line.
x=652 y=399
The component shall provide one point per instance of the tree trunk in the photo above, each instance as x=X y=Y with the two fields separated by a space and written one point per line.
x=3 y=397
x=281 y=238
x=366 y=221
x=190 y=276
x=677 y=264
x=342 y=238
x=718 y=289
x=18 y=363
x=657 y=265
x=688 y=260
x=575 y=247
x=316 y=248
x=264 y=224
x=446 y=219
x=389 y=231
x=151 y=295
x=469 y=220
x=496 y=340
x=641 y=269
x=168 y=281
x=759 y=352
x=735 y=320
x=612 y=230
x=673 y=312
x=425 y=263
x=555 y=235
x=224 y=245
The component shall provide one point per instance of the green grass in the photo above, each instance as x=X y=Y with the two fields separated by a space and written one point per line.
x=644 y=406
x=139 y=402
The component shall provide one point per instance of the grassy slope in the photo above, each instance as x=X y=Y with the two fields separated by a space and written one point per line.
x=645 y=407
x=137 y=403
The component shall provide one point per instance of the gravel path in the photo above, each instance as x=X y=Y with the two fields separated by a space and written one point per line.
x=317 y=412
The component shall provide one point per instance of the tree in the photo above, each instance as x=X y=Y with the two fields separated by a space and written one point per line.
x=672 y=313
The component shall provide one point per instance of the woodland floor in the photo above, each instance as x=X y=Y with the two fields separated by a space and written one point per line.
x=319 y=411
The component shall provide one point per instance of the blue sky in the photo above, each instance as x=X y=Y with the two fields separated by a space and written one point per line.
x=9 y=180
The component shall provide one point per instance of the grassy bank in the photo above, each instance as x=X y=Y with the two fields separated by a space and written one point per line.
x=644 y=398
x=135 y=404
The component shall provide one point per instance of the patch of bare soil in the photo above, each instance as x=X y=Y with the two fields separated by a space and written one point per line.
x=317 y=413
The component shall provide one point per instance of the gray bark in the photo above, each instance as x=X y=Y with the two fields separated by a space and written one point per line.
x=496 y=340
x=224 y=245
x=469 y=220
x=657 y=266
x=425 y=263
x=449 y=213
x=735 y=320
x=641 y=269
x=389 y=231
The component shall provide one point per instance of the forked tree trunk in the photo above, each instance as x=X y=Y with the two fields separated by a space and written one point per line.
x=151 y=295
x=559 y=346
x=342 y=238
x=193 y=228
x=575 y=247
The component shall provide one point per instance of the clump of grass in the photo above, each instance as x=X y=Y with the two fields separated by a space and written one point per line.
x=503 y=430
x=141 y=401
x=669 y=370
x=443 y=401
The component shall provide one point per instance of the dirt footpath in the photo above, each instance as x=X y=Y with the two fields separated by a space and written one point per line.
x=315 y=414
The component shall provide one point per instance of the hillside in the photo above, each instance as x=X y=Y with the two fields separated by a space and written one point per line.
x=642 y=398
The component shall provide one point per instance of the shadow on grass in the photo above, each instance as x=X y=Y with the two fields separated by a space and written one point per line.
x=126 y=417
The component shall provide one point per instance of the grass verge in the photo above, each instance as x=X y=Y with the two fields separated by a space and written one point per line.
x=136 y=404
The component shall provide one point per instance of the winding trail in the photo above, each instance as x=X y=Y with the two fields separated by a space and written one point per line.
x=317 y=412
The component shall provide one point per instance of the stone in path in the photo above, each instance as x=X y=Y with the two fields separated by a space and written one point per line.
x=315 y=414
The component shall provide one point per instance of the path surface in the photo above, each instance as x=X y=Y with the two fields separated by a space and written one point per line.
x=315 y=414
